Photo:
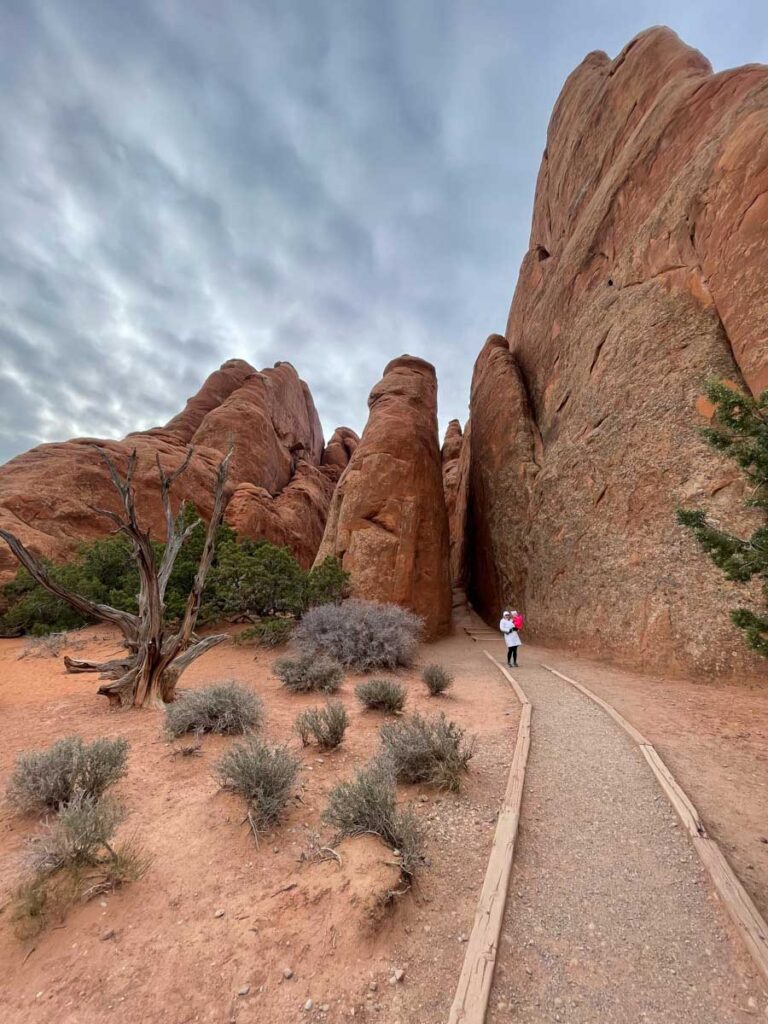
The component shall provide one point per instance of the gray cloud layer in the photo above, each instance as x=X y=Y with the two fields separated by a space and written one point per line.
x=331 y=183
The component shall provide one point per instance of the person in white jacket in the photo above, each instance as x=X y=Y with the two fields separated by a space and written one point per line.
x=511 y=636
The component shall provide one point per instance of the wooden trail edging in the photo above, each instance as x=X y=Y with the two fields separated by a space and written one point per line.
x=474 y=989
x=749 y=923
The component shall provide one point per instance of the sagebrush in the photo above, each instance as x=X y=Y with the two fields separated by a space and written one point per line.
x=437 y=678
x=368 y=804
x=363 y=635
x=227 y=708
x=79 y=833
x=76 y=858
x=382 y=695
x=327 y=725
x=308 y=673
x=427 y=750
x=50 y=779
x=264 y=776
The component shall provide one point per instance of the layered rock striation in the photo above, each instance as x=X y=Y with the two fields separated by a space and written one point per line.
x=646 y=273
x=387 y=522
x=280 y=479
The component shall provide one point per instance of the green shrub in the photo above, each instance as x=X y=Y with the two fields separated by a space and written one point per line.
x=368 y=804
x=273 y=632
x=327 y=725
x=227 y=708
x=52 y=778
x=382 y=695
x=437 y=679
x=430 y=751
x=307 y=674
x=362 y=635
x=327 y=583
x=263 y=775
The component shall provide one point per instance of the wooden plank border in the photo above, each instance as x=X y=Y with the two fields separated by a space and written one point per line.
x=747 y=919
x=474 y=988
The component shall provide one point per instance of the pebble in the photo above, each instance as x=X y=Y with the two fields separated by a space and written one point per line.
x=373 y=986
x=287 y=973
x=244 y=990
x=308 y=1005
x=109 y=934
x=397 y=976
x=219 y=913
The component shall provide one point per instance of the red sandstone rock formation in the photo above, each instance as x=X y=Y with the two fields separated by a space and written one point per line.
x=387 y=522
x=455 y=461
x=280 y=489
x=647 y=271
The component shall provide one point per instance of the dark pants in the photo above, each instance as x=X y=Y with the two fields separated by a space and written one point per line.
x=512 y=656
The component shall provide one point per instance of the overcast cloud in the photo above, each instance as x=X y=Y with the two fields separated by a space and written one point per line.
x=333 y=183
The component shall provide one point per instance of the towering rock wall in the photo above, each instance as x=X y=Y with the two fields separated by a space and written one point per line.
x=387 y=521
x=647 y=272
x=280 y=481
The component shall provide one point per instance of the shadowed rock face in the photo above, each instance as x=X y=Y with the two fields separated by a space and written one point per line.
x=387 y=521
x=646 y=273
x=279 y=488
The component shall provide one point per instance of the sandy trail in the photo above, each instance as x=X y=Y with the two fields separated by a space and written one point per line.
x=610 y=915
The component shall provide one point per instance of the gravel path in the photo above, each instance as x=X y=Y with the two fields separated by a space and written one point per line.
x=610 y=917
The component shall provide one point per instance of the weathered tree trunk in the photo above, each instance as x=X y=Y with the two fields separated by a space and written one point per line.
x=157 y=655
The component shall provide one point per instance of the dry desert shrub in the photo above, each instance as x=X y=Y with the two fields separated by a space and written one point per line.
x=327 y=725
x=50 y=779
x=437 y=678
x=263 y=776
x=382 y=695
x=49 y=646
x=430 y=751
x=307 y=673
x=362 y=635
x=227 y=708
x=368 y=804
x=75 y=858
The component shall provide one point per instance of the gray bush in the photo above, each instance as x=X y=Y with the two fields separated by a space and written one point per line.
x=81 y=830
x=430 y=751
x=362 y=635
x=437 y=678
x=227 y=708
x=327 y=725
x=308 y=673
x=263 y=775
x=382 y=695
x=368 y=804
x=52 y=778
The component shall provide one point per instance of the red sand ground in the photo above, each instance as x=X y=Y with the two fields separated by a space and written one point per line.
x=171 y=959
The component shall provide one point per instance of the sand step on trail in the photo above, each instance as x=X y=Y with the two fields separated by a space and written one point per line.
x=610 y=915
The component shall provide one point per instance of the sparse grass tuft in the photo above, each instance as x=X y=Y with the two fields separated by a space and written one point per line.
x=308 y=673
x=273 y=632
x=382 y=695
x=363 y=635
x=227 y=708
x=368 y=804
x=327 y=725
x=430 y=751
x=50 y=779
x=437 y=678
x=263 y=775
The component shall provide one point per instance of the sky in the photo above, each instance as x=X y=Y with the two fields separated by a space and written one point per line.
x=329 y=182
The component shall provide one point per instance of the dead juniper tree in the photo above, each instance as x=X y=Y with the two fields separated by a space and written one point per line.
x=157 y=653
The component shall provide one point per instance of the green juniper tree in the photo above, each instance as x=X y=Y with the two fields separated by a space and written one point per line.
x=740 y=431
